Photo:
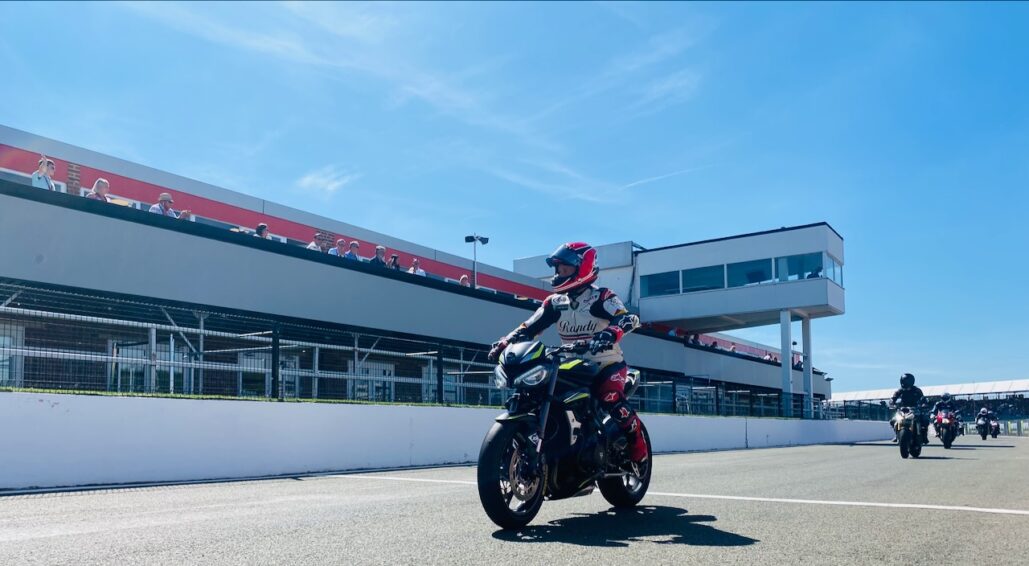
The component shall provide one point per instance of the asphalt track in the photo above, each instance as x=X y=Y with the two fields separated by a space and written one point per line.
x=849 y=504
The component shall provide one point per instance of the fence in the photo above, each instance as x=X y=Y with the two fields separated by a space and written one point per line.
x=56 y=339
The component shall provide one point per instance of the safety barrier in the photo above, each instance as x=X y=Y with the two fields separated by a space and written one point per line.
x=76 y=440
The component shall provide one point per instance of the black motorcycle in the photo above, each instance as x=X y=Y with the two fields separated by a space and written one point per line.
x=555 y=441
x=909 y=432
x=982 y=426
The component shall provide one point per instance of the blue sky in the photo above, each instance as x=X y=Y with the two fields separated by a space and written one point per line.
x=905 y=126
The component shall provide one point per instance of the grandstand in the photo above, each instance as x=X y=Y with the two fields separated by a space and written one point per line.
x=60 y=303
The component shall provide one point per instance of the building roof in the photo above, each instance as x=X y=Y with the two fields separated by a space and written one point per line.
x=982 y=388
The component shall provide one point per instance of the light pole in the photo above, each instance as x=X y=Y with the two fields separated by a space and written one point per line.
x=475 y=240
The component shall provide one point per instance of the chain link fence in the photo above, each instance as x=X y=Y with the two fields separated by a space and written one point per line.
x=65 y=341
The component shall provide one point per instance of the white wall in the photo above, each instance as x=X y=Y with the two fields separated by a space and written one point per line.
x=66 y=440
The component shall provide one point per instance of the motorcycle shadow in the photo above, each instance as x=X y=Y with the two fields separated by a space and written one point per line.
x=620 y=527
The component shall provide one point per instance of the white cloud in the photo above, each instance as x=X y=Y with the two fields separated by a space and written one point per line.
x=666 y=91
x=326 y=181
x=665 y=176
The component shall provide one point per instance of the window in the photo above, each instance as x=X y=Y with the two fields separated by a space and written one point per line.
x=834 y=270
x=659 y=284
x=796 y=267
x=703 y=278
x=750 y=272
x=10 y=363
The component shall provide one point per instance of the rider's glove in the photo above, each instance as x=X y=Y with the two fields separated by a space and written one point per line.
x=497 y=349
x=603 y=340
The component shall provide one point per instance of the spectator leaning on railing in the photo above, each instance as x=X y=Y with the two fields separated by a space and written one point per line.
x=43 y=178
x=163 y=207
x=262 y=231
x=314 y=243
x=355 y=246
x=380 y=257
x=339 y=249
x=416 y=268
x=465 y=282
x=394 y=262
x=100 y=189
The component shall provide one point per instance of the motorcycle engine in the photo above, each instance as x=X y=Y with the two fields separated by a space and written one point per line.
x=593 y=454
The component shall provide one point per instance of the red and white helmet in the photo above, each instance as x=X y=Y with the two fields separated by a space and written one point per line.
x=578 y=254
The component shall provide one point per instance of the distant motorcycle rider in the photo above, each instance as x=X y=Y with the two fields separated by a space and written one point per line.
x=910 y=396
x=944 y=405
x=585 y=312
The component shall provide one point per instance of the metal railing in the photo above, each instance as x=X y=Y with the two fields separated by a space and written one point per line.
x=54 y=339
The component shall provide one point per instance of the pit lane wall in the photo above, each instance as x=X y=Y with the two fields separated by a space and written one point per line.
x=56 y=440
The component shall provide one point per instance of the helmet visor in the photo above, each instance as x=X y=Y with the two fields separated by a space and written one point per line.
x=564 y=255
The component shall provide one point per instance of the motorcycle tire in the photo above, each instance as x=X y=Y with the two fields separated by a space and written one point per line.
x=916 y=449
x=904 y=441
x=948 y=439
x=983 y=435
x=493 y=467
x=618 y=493
x=993 y=435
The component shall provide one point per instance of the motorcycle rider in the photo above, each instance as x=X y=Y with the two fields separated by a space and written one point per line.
x=910 y=396
x=944 y=405
x=583 y=311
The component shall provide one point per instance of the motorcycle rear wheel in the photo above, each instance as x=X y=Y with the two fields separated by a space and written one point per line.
x=501 y=484
x=628 y=491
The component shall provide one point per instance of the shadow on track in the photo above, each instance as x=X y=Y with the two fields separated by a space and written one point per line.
x=620 y=527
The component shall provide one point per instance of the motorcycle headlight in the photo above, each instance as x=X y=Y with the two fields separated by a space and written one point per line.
x=499 y=378
x=531 y=378
x=946 y=421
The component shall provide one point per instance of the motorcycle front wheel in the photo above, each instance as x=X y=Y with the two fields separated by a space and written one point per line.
x=904 y=441
x=510 y=493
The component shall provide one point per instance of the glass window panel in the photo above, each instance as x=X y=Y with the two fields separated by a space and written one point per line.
x=703 y=278
x=834 y=270
x=796 y=267
x=659 y=284
x=5 y=361
x=750 y=272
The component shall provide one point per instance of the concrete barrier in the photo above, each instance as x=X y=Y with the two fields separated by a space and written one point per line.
x=74 y=440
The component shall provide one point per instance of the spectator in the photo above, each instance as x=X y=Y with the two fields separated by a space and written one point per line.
x=355 y=246
x=262 y=232
x=465 y=282
x=380 y=257
x=100 y=189
x=732 y=348
x=43 y=178
x=815 y=274
x=416 y=268
x=767 y=357
x=695 y=340
x=714 y=345
x=163 y=207
x=394 y=262
x=320 y=243
x=339 y=249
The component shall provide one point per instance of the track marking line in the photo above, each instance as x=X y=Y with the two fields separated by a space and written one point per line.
x=394 y=478
x=846 y=503
x=744 y=498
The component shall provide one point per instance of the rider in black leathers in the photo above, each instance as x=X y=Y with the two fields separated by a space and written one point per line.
x=910 y=396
